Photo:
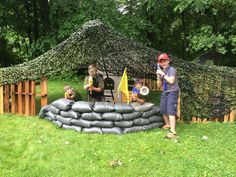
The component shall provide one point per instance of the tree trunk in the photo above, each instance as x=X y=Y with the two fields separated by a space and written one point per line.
x=44 y=15
x=35 y=20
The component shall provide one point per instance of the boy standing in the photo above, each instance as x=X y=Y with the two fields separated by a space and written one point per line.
x=169 y=97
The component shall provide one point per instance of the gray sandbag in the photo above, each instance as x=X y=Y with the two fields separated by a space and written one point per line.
x=149 y=113
x=103 y=124
x=91 y=116
x=59 y=124
x=82 y=106
x=133 y=129
x=103 y=107
x=141 y=121
x=67 y=127
x=153 y=125
x=156 y=110
x=51 y=115
x=113 y=116
x=123 y=124
x=123 y=108
x=132 y=115
x=48 y=118
x=53 y=109
x=42 y=111
x=63 y=120
x=114 y=130
x=156 y=118
x=142 y=107
x=92 y=130
x=81 y=123
x=70 y=114
x=63 y=104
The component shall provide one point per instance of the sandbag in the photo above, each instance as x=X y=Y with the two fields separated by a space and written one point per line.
x=105 y=124
x=59 y=124
x=103 y=107
x=123 y=108
x=123 y=124
x=42 y=111
x=92 y=130
x=63 y=104
x=113 y=116
x=48 y=118
x=70 y=114
x=51 y=115
x=114 y=130
x=156 y=110
x=91 y=116
x=63 y=120
x=153 y=125
x=133 y=129
x=142 y=107
x=67 y=127
x=149 y=113
x=82 y=106
x=141 y=121
x=156 y=118
x=81 y=123
x=53 y=109
x=131 y=116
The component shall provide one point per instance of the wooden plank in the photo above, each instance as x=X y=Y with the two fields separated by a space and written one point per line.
x=44 y=91
x=27 y=98
x=1 y=100
x=226 y=117
x=232 y=116
x=19 y=98
x=13 y=99
x=7 y=99
x=32 y=98
x=194 y=119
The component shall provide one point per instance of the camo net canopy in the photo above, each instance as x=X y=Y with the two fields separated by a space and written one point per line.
x=206 y=91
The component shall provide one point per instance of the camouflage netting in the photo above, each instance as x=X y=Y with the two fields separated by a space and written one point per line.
x=206 y=92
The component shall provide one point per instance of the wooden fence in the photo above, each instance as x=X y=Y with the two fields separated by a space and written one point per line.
x=152 y=85
x=20 y=98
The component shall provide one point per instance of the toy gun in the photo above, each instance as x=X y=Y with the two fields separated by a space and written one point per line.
x=159 y=82
x=90 y=83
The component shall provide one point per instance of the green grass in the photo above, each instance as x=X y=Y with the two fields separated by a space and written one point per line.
x=33 y=147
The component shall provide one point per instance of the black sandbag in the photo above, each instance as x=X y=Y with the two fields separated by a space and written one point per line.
x=53 y=109
x=113 y=116
x=114 y=130
x=156 y=118
x=67 y=127
x=81 y=123
x=141 y=121
x=156 y=110
x=132 y=115
x=123 y=108
x=103 y=124
x=70 y=114
x=63 y=104
x=42 y=111
x=91 y=116
x=142 y=107
x=59 y=124
x=51 y=115
x=149 y=113
x=63 y=120
x=133 y=129
x=123 y=124
x=82 y=106
x=153 y=125
x=92 y=130
x=103 y=107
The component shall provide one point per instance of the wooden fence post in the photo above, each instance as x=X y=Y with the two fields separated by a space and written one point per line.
x=27 y=98
x=13 y=98
x=19 y=100
x=1 y=100
x=32 y=99
x=232 y=116
x=6 y=98
x=44 y=91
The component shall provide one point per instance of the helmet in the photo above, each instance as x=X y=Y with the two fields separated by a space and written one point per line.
x=163 y=56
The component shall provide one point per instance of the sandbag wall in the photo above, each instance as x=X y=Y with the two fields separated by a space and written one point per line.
x=102 y=117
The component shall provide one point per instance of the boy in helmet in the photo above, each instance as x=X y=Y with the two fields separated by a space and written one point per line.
x=94 y=84
x=169 y=97
x=135 y=96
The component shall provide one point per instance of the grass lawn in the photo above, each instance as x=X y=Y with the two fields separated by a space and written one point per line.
x=35 y=147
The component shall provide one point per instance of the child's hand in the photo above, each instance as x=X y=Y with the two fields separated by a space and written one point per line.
x=160 y=73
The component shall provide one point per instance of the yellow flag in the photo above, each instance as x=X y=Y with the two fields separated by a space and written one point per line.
x=123 y=86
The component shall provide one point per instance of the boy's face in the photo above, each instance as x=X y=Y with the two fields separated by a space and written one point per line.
x=92 y=72
x=164 y=63
x=138 y=86
x=70 y=91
